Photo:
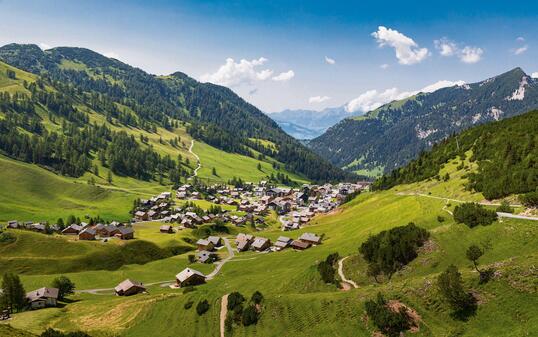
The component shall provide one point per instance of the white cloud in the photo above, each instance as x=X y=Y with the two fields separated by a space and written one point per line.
x=384 y=66
x=520 y=50
x=470 y=54
x=373 y=99
x=445 y=47
x=520 y=39
x=407 y=50
x=44 y=46
x=318 y=99
x=534 y=74
x=285 y=76
x=112 y=55
x=329 y=60
x=233 y=73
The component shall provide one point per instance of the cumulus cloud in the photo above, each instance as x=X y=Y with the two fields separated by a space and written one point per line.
x=318 y=99
x=470 y=54
x=467 y=54
x=407 y=50
x=445 y=47
x=329 y=60
x=233 y=73
x=520 y=50
x=373 y=99
x=384 y=66
x=44 y=46
x=520 y=39
x=534 y=74
x=285 y=76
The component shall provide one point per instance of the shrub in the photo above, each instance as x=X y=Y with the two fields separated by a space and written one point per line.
x=65 y=286
x=389 y=322
x=55 y=333
x=202 y=307
x=473 y=214
x=326 y=272
x=191 y=258
x=250 y=316
x=450 y=286
x=530 y=199
x=6 y=237
x=235 y=299
x=505 y=207
x=188 y=305
x=440 y=218
x=257 y=297
x=188 y=289
x=388 y=251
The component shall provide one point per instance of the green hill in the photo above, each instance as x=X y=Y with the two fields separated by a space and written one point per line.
x=503 y=155
x=75 y=82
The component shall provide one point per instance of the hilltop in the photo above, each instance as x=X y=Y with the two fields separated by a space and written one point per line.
x=397 y=132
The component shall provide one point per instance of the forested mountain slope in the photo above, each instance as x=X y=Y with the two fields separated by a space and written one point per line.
x=506 y=153
x=134 y=98
x=396 y=133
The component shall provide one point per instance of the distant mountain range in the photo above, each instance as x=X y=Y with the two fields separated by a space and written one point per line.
x=395 y=133
x=309 y=124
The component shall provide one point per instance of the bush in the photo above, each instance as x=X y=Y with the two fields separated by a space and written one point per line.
x=450 y=286
x=55 y=333
x=188 y=289
x=191 y=258
x=530 y=199
x=6 y=237
x=202 y=307
x=250 y=316
x=440 y=218
x=65 y=286
x=257 y=297
x=188 y=305
x=388 y=251
x=389 y=322
x=505 y=207
x=235 y=299
x=473 y=214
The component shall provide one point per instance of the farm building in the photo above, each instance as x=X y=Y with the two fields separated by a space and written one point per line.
x=204 y=244
x=189 y=277
x=43 y=297
x=310 y=238
x=87 y=234
x=129 y=287
x=166 y=229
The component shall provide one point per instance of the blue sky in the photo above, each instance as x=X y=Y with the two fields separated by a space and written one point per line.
x=288 y=47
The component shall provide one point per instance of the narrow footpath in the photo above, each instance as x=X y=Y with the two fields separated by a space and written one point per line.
x=198 y=162
x=341 y=273
x=223 y=313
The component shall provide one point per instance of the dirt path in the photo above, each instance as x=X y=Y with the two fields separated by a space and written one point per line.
x=223 y=313
x=198 y=162
x=499 y=214
x=343 y=277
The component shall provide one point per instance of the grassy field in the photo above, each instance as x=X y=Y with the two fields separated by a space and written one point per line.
x=297 y=301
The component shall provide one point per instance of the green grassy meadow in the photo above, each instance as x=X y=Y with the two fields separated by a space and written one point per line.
x=296 y=300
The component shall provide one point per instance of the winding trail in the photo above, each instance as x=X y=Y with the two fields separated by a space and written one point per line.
x=341 y=273
x=499 y=214
x=223 y=313
x=198 y=162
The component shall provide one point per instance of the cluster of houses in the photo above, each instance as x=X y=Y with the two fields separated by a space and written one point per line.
x=83 y=230
x=206 y=249
x=155 y=208
x=296 y=206
x=246 y=242
x=100 y=231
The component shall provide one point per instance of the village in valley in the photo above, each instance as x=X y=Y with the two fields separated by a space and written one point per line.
x=247 y=206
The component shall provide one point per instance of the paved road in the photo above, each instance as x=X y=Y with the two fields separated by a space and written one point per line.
x=198 y=162
x=219 y=264
x=341 y=273
x=223 y=313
